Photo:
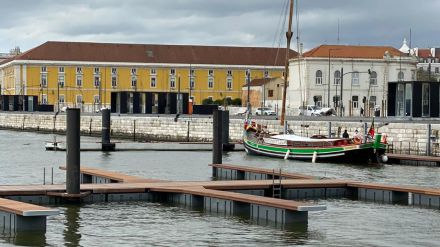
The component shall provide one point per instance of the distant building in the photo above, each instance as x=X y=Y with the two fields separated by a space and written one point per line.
x=264 y=92
x=428 y=62
x=134 y=76
x=362 y=74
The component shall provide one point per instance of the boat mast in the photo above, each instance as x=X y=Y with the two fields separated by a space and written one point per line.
x=286 y=68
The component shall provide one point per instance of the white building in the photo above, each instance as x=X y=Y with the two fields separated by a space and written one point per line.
x=362 y=74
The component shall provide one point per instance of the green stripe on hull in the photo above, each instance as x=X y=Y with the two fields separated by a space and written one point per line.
x=309 y=151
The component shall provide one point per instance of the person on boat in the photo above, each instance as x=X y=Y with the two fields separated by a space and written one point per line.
x=345 y=134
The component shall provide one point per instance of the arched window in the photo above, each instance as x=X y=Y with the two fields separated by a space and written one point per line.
x=318 y=79
x=400 y=76
x=337 y=76
x=373 y=78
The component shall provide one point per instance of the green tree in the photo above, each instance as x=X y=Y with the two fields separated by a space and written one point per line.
x=207 y=101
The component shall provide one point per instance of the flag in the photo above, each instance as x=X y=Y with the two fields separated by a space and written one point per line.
x=371 y=130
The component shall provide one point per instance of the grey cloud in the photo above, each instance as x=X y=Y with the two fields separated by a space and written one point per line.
x=216 y=22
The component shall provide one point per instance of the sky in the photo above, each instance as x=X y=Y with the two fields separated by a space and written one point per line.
x=29 y=23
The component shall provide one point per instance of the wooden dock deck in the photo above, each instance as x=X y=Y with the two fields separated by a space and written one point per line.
x=417 y=160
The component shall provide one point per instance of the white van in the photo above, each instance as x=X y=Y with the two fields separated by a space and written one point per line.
x=310 y=110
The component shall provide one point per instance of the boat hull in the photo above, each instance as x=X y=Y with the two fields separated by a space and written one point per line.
x=362 y=153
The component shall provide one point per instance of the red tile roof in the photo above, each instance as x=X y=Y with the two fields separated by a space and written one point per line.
x=352 y=51
x=150 y=53
x=424 y=53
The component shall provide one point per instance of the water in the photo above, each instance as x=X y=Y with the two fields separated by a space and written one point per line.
x=345 y=223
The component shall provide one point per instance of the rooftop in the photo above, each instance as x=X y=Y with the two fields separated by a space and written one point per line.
x=352 y=51
x=155 y=53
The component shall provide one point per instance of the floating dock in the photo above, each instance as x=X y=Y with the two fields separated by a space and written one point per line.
x=262 y=195
x=415 y=160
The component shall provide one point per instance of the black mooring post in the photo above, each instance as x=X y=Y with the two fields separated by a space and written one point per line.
x=73 y=151
x=217 y=147
x=225 y=135
x=105 y=131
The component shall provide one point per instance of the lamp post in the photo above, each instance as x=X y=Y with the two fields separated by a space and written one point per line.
x=341 y=108
x=179 y=102
x=248 y=80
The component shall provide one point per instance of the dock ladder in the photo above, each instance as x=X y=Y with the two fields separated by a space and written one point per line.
x=276 y=185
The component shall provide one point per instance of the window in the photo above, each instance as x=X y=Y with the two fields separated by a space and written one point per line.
x=79 y=80
x=373 y=78
x=78 y=70
x=43 y=80
x=61 y=99
x=114 y=71
x=270 y=93
x=44 y=99
x=413 y=75
x=96 y=99
x=400 y=76
x=229 y=72
x=337 y=77
x=372 y=101
x=210 y=98
x=172 y=71
x=96 y=71
x=355 y=78
x=318 y=100
x=210 y=83
x=248 y=73
x=355 y=102
x=114 y=81
x=61 y=80
x=172 y=82
x=133 y=71
x=229 y=83
x=192 y=72
x=97 y=81
x=210 y=72
x=153 y=82
x=133 y=81
x=266 y=74
x=336 y=100
x=43 y=69
x=318 y=79
x=436 y=70
x=192 y=82
x=60 y=69
x=425 y=100
x=153 y=71
x=79 y=99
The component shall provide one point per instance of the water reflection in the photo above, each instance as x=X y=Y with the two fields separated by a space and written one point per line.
x=71 y=233
x=30 y=238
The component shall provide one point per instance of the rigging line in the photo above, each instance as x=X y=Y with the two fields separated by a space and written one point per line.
x=285 y=10
x=279 y=27
x=299 y=53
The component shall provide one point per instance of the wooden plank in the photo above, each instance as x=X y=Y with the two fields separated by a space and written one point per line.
x=263 y=171
x=117 y=176
x=398 y=188
x=413 y=157
x=25 y=209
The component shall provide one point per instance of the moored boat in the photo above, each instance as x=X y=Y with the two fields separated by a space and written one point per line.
x=257 y=140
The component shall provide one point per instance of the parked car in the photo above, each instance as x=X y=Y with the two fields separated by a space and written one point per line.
x=266 y=111
x=310 y=110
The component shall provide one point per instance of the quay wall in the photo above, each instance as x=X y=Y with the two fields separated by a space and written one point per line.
x=405 y=137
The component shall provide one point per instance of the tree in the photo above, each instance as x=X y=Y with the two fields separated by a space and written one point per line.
x=236 y=101
x=207 y=101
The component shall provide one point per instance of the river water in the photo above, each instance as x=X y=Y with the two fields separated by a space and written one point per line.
x=344 y=223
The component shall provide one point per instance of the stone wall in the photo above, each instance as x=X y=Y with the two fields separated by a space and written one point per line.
x=405 y=137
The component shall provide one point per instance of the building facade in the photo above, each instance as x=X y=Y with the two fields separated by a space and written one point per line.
x=85 y=75
x=264 y=92
x=351 y=79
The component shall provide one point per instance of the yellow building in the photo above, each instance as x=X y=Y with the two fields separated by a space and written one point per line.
x=78 y=74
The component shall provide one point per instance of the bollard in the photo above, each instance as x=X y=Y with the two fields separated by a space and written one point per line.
x=217 y=147
x=73 y=151
x=329 y=129
x=106 y=145
x=52 y=176
x=44 y=175
x=428 y=144
x=187 y=132
x=225 y=132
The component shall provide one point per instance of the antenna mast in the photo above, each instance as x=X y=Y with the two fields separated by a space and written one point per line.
x=286 y=68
